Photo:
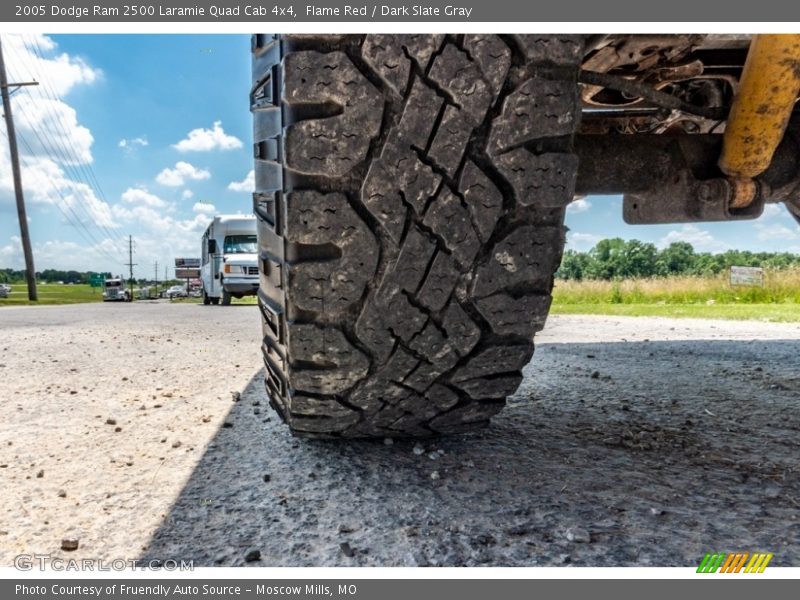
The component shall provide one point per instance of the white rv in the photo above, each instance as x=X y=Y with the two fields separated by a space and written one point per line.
x=229 y=265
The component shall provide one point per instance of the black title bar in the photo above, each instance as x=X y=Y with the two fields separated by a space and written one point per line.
x=459 y=11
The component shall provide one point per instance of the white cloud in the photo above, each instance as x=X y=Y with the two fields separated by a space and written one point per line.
x=67 y=143
x=183 y=171
x=582 y=241
x=205 y=140
x=61 y=71
x=187 y=194
x=578 y=206
x=248 y=184
x=700 y=239
x=769 y=233
x=58 y=254
x=142 y=196
x=773 y=210
x=204 y=208
x=46 y=184
x=38 y=109
x=161 y=235
x=137 y=141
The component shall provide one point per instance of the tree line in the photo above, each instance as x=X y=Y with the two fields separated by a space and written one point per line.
x=619 y=259
x=50 y=276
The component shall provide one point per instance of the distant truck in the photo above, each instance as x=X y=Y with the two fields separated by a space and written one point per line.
x=114 y=290
x=229 y=264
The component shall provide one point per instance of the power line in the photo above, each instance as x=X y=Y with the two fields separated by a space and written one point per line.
x=85 y=168
x=68 y=156
x=79 y=226
x=68 y=164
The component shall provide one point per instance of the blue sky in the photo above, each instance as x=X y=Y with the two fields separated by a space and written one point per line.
x=149 y=135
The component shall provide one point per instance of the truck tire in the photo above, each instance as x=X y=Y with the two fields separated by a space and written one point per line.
x=410 y=194
x=226 y=298
x=206 y=298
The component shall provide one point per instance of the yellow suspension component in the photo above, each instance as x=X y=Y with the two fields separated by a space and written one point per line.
x=768 y=90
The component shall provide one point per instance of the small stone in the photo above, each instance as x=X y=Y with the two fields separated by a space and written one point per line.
x=110 y=421
x=388 y=441
x=227 y=424
x=40 y=474
x=343 y=528
x=117 y=429
x=267 y=477
x=347 y=550
x=252 y=556
x=176 y=444
x=435 y=475
x=657 y=511
x=418 y=450
x=578 y=535
x=596 y=375
x=70 y=544
x=62 y=493
x=236 y=396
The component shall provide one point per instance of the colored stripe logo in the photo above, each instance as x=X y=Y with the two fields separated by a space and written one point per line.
x=735 y=563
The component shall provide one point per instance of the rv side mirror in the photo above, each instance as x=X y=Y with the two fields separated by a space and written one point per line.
x=212 y=246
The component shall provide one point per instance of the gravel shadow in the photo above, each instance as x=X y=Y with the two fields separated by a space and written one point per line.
x=616 y=454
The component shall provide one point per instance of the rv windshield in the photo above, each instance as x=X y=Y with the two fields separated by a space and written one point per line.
x=240 y=244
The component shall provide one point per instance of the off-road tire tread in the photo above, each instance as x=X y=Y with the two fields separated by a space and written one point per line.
x=410 y=194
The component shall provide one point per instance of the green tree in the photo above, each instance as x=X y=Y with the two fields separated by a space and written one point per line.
x=676 y=259
x=574 y=265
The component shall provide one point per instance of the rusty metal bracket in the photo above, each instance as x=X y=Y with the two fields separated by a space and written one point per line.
x=685 y=199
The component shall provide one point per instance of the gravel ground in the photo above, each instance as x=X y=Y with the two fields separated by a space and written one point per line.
x=142 y=431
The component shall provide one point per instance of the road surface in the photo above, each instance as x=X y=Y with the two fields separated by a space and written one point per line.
x=142 y=431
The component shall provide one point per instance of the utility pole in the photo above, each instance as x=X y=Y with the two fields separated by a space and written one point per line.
x=156 y=272
x=130 y=264
x=30 y=273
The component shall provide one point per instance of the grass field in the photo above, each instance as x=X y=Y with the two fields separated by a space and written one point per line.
x=53 y=293
x=773 y=313
x=699 y=297
x=693 y=297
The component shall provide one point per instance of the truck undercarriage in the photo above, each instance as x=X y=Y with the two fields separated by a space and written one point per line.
x=720 y=153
